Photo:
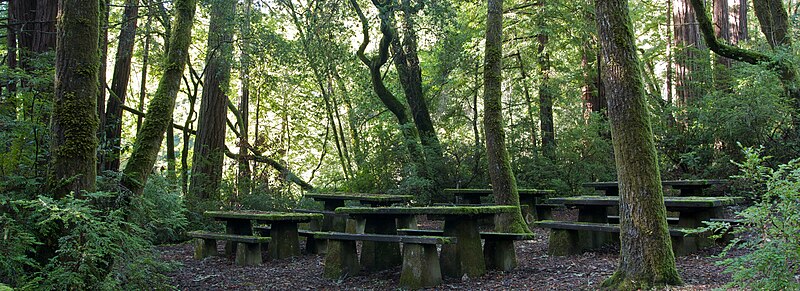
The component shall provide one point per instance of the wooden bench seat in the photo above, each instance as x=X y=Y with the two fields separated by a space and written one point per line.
x=572 y=237
x=420 y=258
x=248 y=251
x=498 y=248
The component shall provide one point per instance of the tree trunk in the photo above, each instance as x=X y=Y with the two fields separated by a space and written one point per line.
x=504 y=186
x=159 y=113
x=44 y=38
x=209 y=145
x=101 y=79
x=774 y=21
x=546 y=94
x=646 y=258
x=243 y=179
x=688 y=55
x=145 y=63
x=528 y=100
x=119 y=85
x=73 y=136
x=8 y=105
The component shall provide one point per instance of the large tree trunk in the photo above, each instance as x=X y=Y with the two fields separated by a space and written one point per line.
x=688 y=56
x=73 y=136
x=44 y=39
x=209 y=145
x=646 y=257
x=119 y=85
x=159 y=113
x=504 y=186
x=774 y=22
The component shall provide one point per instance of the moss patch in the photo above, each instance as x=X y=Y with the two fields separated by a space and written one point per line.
x=437 y=210
x=263 y=215
x=361 y=197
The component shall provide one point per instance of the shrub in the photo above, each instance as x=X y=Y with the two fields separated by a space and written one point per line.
x=771 y=231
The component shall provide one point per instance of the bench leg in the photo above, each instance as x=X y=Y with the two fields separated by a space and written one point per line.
x=248 y=254
x=500 y=255
x=465 y=256
x=204 y=248
x=236 y=227
x=682 y=245
x=563 y=242
x=316 y=246
x=420 y=266
x=341 y=259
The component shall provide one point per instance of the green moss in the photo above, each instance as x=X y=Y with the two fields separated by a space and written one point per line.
x=264 y=215
x=437 y=210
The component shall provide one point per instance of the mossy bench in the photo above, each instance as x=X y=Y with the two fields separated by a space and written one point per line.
x=498 y=247
x=565 y=239
x=313 y=245
x=420 y=257
x=248 y=251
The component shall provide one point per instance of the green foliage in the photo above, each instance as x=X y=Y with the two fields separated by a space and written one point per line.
x=771 y=227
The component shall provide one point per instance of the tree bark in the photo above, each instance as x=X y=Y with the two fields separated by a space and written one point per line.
x=504 y=186
x=73 y=137
x=44 y=38
x=209 y=145
x=546 y=94
x=688 y=55
x=101 y=79
x=159 y=113
x=8 y=105
x=145 y=62
x=119 y=85
x=646 y=258
x=774 y=21
x=243 y=178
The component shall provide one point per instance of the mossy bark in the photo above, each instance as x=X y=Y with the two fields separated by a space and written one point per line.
x=73 y=136
x=209 y=146
x=504 y=186
x=646 y=257
x=159 y=112
x=112 y=141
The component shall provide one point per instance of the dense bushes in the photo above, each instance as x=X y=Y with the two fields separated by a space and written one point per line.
x=771 y=232
x=88 y=242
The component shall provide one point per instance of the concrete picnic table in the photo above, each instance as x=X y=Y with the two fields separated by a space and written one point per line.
x=527 y=196
x=285 y=241
x=692 y=210
x=333 y=200
x=687 y=187
x=465 y=257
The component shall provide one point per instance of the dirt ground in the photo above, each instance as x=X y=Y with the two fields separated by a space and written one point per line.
x=536 y=271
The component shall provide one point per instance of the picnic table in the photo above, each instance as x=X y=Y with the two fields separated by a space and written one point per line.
x=527 y=197
x=285 y=240
x=331 y=201
x=692 y=211
x=461 y=222
x=686 y=187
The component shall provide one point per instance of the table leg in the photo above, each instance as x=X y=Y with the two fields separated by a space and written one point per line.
x=529 y=213
x=465 y=257
x=694 y=219
x=333 y=222
x=285 y=242
x=236 y=226
x=593 y=239
x=376 y=256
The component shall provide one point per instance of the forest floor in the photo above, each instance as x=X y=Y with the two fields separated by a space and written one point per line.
x=536 y=271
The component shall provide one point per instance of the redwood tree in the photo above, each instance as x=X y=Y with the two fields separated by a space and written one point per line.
x=73 y=139
x=209 y=145
x=646 y=257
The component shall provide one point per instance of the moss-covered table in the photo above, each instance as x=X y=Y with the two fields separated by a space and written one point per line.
x=331 y=201
x=687 y=188
x=465 y=257
x=692 y=211
x=285 y=241
x=529 y=197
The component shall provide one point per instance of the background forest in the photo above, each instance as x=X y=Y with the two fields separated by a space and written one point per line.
x=280 y=97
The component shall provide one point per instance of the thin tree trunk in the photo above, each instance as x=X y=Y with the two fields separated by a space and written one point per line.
x=209 y=145
x=646 y=258
x=145 y=63
x=504 y=186
x=101 y=79
x=351 y=122
x=546 y=93
x=528 y=101
x=243 y=179
x=159 y=113
x=8 y=106
x=73 y=137
x=119 y=85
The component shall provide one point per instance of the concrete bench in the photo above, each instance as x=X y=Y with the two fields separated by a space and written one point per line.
x=420 y=257
x=248 y=250
x=614 y=219
x=498 y=248
x=565 y=238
